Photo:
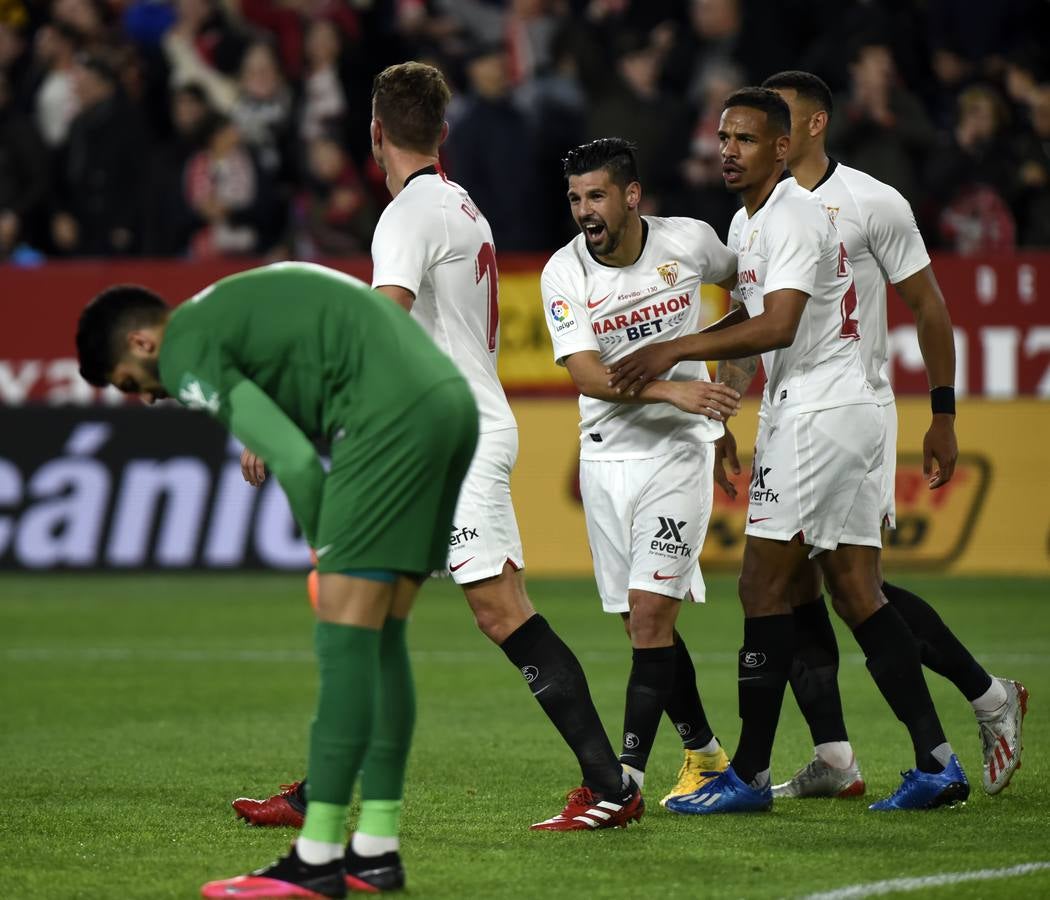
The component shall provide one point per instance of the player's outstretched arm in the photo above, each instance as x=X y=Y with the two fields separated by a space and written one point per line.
x=773 y=329
x=933 y=326
x=715 y=401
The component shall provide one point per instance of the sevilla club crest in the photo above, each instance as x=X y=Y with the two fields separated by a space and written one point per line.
x=669 y=272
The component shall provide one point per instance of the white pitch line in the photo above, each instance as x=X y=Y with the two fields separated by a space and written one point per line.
x=903 y=885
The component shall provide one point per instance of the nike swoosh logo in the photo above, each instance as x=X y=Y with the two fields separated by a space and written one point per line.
x=751 y=520
x=659 y=577
x=592 y=304
x=323 y=550
x=460 y=566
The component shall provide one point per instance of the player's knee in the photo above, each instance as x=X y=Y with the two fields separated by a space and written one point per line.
x=652 y=624
x=854 y=600
x=762 y=593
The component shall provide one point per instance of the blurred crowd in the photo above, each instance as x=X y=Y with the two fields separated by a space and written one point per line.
x=204 y=128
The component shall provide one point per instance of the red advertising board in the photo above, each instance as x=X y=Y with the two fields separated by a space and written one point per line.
x=1002 y=328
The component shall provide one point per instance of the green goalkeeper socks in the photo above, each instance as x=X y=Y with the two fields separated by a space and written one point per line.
x=383 y=774
x=348 y=658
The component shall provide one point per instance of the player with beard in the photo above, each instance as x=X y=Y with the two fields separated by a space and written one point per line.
x=629 y=280
x=816 y=481
x=433 y=254
x=883 y=244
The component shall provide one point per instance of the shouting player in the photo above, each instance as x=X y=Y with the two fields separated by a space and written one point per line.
x=879 y=235
x=351 y=368
x=626 y=281
x=816 y=482
x=433 y=254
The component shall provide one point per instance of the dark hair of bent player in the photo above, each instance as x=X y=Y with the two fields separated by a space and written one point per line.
x=105 y=322
x=410 y=100
x=807 y=85
x=768 y=101
x=614 y=155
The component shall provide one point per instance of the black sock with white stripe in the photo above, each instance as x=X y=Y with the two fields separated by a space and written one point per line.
x=648 y=689
x=762 y=675
x=684 y=707
x=556 y=680
x=893 y=660
x=940 y=649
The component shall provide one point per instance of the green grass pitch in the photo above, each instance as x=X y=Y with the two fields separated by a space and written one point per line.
x=133 y=708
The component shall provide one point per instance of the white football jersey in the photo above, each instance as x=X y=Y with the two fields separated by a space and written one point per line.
x=616 y=310
x=883 y=242
x=791 y=242
x=433 y=241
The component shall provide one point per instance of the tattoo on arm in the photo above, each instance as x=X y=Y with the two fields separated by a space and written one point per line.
x=737 y=373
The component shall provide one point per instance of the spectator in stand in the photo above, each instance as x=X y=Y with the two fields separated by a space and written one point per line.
x=262 y=111
x=336 y=92
x=23 y=175
x=704 y=195
x=336 y=216
x=97 y=212
x=882 y=128
x=974 y=174
x=233 y=200
x=1035 y=172
x=55 y=103
x=490 y=152
x=640 y=112
x=88 y=19
x=169 y=221
x=203 y=48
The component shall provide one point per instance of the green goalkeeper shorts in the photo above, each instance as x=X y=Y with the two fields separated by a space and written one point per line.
x=392 y=488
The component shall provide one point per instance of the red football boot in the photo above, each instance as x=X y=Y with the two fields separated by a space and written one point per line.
x=283 y=810
x=588 y=811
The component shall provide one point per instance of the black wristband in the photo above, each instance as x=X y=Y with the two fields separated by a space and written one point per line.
x=942 y=400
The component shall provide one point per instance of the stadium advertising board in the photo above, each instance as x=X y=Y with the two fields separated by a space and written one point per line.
x=1002 y=331
x=993 y=517
x=141 y=488
x=134 y=488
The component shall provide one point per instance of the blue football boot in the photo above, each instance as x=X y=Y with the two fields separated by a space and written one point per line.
x=723 y=793
x=924 y=790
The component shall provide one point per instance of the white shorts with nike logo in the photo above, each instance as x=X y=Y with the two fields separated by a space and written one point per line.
x=484 y=529
x=817 y=477
x=646 y=523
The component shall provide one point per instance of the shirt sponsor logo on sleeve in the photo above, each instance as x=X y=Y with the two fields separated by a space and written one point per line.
x=562 y=317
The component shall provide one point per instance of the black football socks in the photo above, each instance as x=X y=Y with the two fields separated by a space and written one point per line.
x=762 y=676
x=814 y=674
x=558 y=683
x=684 y=707
x=648 y=690
x=940 y=650
x=893 y=660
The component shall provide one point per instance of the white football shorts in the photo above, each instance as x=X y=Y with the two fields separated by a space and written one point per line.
x=889 y=465
x=818 y=476
x=646 y=523
x=484 y=529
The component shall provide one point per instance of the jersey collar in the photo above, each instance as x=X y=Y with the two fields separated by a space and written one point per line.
x=832 y=166
x=784 y=176
x=426 y=170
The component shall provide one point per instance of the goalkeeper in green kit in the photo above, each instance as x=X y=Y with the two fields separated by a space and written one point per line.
x=285 y=355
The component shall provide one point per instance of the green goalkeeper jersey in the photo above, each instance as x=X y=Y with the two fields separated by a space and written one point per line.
x=293 y=352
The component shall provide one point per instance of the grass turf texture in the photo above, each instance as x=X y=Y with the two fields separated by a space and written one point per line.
x=135 y=708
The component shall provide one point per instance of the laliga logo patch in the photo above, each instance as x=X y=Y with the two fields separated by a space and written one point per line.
x=562 y=316
x=752 y=660
x=531 y=673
